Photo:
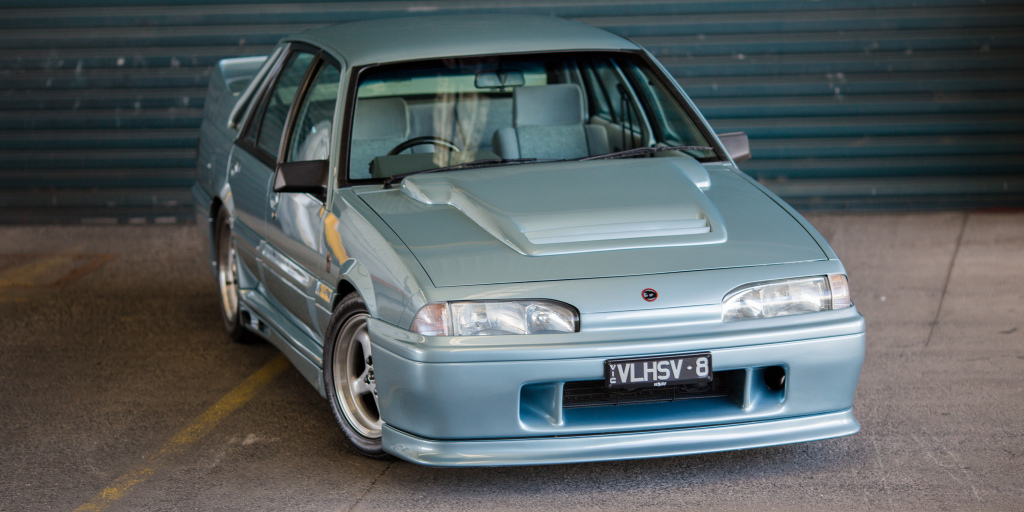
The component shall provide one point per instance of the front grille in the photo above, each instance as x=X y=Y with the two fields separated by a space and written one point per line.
x=593 y=393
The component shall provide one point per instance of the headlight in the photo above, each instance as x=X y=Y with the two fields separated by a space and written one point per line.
x=786 y=297
x=484 y=318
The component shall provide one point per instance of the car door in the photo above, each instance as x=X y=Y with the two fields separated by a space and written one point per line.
x=294 y=260
x=255 y=156
x=249 y=177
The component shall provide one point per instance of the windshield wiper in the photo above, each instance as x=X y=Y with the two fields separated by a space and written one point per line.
x=629 y=153
x=476 y=164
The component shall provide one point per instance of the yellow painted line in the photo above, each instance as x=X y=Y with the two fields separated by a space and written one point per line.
x=49 y=270
x=96 y=262
x=33 y=271
x=199 y=427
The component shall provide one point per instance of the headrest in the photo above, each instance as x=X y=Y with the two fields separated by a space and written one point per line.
x=381 y=118
x=548 y=105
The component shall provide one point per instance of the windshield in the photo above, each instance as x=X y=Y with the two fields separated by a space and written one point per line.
x=427 y=115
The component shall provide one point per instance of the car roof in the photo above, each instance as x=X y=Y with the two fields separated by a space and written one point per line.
x=424 y=37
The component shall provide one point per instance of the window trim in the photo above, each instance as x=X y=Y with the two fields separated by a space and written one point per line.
x=676 y=90
x=251 y=123
x=321 y=59
x=254 y=106
x=238 y=116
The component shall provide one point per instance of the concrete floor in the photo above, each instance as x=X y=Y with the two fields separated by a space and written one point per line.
x=100 y=368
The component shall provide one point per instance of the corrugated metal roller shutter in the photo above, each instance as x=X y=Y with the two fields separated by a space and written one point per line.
x=895 y=103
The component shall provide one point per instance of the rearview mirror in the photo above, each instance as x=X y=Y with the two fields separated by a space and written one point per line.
x=501 y=78
x=736 y=144
x=308 y=177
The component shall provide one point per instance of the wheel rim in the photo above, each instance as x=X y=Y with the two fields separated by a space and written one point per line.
x=354 y=385
x=227 y=274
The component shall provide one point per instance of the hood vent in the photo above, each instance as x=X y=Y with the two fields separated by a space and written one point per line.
x=581 y=206
x=630 y=224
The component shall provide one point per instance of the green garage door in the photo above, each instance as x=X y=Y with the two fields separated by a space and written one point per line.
x=849 y=104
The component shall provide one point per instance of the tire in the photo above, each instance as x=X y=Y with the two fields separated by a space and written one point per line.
x=227 y=279
x=349 y=379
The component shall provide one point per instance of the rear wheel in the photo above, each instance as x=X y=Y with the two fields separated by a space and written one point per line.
x=227 y=279
x=349 y=378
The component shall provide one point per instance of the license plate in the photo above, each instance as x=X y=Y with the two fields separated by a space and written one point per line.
x=656 y=372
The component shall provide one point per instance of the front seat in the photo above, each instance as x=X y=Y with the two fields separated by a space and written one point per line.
x=380 y=124
x=547 y=122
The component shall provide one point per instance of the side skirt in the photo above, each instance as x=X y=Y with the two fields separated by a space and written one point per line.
x=260 y=317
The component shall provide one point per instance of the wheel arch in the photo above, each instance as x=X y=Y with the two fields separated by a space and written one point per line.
x=355 y=277
x=206 y=206
x=341 y=290
x=215 y=206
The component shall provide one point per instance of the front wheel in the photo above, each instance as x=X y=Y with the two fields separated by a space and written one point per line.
x=349 y=378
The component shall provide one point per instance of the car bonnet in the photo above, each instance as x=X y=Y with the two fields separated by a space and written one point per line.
x=575 y=220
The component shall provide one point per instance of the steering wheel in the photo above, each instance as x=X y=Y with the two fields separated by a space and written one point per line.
x=419 y=141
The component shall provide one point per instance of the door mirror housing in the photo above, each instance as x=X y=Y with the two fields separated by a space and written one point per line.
x=308 y=177
x=736 y=144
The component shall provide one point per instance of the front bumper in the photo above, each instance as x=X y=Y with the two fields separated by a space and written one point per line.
x=556 y=450
x=447 y=403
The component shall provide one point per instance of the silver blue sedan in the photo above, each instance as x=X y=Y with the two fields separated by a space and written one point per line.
x=515 y=240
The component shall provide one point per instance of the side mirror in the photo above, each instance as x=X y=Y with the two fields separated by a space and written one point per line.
x=736 y=144
x=304 y=177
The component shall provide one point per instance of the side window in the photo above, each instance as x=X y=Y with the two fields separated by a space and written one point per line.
x=599 y=100
x=619 y=107
x=675 y=125
x=311 y=136
x=611 y=104
x=275 y=110
x=610 y=83
x=251 y=89
x=254 y=128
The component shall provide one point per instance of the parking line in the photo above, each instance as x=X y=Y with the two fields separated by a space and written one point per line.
x=33 y=270
x=199 y=427
x=48 y=270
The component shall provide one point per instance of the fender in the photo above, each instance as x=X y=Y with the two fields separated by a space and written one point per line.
x=352 y=273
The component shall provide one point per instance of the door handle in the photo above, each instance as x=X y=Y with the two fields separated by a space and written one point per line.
x=275 y=199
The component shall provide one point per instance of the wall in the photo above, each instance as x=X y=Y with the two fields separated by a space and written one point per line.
x=866 y=104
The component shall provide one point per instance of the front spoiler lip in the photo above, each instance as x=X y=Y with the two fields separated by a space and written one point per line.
x=603 y=447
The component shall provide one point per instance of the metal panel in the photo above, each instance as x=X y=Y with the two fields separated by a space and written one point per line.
x=848 y=104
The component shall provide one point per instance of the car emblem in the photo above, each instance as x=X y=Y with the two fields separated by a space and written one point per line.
x=650 y=295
